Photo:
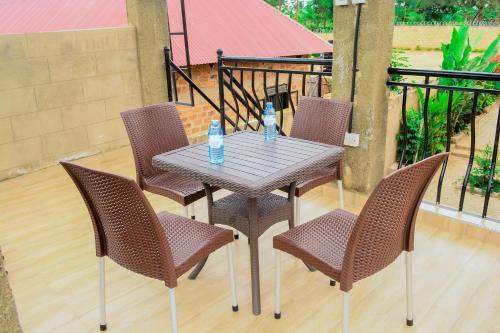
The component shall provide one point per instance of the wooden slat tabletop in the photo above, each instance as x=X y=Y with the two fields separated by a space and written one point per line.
x=252 y=166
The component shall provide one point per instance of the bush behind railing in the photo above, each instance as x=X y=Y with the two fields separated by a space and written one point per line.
x=456 y=57
x=487 y=23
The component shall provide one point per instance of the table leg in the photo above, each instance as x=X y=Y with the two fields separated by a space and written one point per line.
x=291 y=199
x=254 y=253
x=194 y=274
x=210 y=202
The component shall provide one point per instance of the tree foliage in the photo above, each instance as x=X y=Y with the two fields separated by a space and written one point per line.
x=313 y=14
x=318 y=14
x=471 y=11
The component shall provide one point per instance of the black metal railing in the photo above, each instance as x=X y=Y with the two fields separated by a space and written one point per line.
x=170 y=69
x=244 y=88
x=474 y=85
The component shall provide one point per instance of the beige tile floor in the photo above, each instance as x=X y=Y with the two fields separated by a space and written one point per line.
x=47 y=238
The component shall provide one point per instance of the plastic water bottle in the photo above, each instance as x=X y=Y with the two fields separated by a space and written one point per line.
x=269 y=122
x=215 y=143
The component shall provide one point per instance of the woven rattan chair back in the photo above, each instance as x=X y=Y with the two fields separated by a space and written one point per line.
x=126 y=228
x=386 y=224
x=321 y=120
x=153 y=130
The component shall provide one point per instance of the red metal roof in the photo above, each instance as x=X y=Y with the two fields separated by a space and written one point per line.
x=22 y=16
x=239 y=27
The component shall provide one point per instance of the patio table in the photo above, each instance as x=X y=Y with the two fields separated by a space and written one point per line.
x=252 y=167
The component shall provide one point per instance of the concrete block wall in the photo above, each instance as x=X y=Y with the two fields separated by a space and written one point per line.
x=430 y=37
x=61 y=94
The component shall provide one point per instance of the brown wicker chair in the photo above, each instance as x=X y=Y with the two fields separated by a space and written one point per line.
x=126 y=229
x=153 y=130
x=348 y=248
x=321 y=120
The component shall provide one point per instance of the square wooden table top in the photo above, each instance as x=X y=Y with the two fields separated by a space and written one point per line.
x=252 y=166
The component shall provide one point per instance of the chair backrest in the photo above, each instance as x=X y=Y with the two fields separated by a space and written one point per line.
x=386 y=224
x=153 y=130
x=126 y=228
x=321 y=120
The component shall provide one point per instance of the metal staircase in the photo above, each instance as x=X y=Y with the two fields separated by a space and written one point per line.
x=172 y=75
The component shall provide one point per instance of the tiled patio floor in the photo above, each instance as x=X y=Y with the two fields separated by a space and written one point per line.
x=46 y=236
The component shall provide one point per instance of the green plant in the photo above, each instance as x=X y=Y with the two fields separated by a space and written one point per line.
x=456 y=54
x=416 y=132
x=457 y=57
x=400 y=60
x=413 y=120
x=480 y=174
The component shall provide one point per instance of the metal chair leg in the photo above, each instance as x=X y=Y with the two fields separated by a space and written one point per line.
x=193 y=215
x=409 y=288
x=173 y=309
x=341 y=193
x=277 y=285
x=345 y=312
x=232 y=279
x=102 y=295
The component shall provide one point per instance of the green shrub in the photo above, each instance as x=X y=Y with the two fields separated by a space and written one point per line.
x=456 y=56
x=480 y=174
x=416 y=132
x=413 y=121
x=400 y=60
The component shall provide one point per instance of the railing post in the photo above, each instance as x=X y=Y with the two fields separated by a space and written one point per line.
x=221 y=91
x=168 y=72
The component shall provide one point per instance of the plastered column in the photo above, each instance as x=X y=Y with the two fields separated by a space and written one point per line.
x=364 y=165
x=150 y=19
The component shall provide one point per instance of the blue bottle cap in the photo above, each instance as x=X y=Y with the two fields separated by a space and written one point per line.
x=215 y=122
x=269 y=104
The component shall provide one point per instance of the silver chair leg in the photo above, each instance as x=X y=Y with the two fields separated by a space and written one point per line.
x=409 y=288
x=232 y=279
x=102 y=295
x=186 y=211
x=297 y=211
x=341 y=193
x=173 y=309
x=345 y=312
x=277 y=285
x=191 y=208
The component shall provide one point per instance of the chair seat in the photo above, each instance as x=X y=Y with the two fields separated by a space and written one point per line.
x=178 y=188
x=321 y=177
x=232 y=210
x=321 y=242
x=191 y=241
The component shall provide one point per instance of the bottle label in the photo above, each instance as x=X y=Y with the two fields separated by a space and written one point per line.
x=215 y=141
x=269 y=120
